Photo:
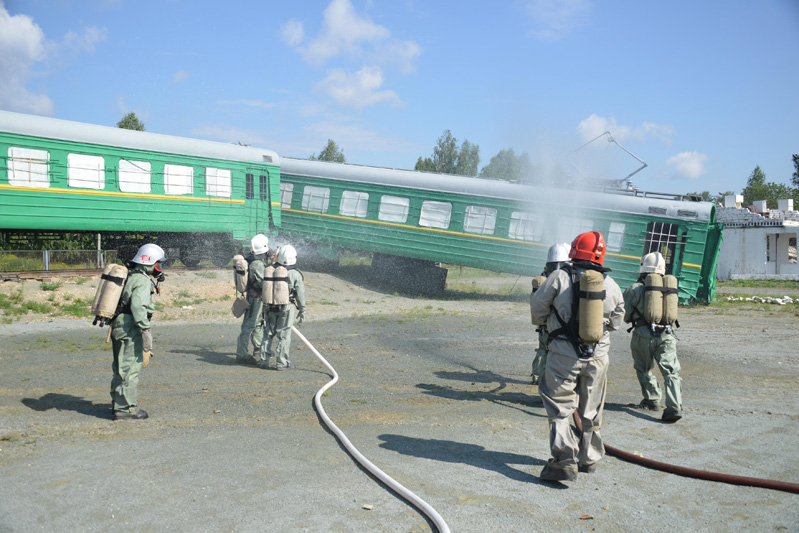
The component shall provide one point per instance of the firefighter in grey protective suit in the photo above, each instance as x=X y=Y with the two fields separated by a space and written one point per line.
x=653 y=344
x=557 y=255
x=131 y=336
x=280 y=317
x=575 y=376
x=252 y=324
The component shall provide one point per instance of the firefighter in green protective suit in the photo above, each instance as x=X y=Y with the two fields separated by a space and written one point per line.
x=131 y=337
x=281 y=317
x=653 y=344
x=557 y=255
x=252 y=324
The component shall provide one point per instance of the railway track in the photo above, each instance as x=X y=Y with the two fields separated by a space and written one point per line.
x=71 y=273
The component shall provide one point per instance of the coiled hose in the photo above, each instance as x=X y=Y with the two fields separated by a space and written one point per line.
x=693 y=473
x=394 y=485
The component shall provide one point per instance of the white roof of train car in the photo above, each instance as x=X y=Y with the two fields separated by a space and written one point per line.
x=52 y=128
x=568 y=198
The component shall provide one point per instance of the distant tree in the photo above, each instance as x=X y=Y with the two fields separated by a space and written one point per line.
x=707 y=197
x=757 y=188
x=131 y=122
x=331 y=152
x=449 y=159
x=508 y=166
x=795 y=177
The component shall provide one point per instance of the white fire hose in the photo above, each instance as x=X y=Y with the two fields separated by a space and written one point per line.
x=366 y=463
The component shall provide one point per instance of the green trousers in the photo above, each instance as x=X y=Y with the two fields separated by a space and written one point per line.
x=128 y=358
x=252 y=329
x=649 y=350
x=279 y=342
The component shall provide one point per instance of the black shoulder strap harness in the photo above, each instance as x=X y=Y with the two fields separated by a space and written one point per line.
x=125 y=309
x=569 y=331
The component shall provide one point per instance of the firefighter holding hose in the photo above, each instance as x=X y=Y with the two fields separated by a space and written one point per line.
x=651 y=307
x=131 y=336
x=284 y=298
x=252 y=327
x=557 y=255
x=579 y=304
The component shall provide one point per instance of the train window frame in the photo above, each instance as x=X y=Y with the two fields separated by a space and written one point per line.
x=435 y=214
x=134 y=176
x=354 y=204
x=218 y=182
x=481 y=223
x=663 y=237
x=531 y=226
x=615 y=240
x=286 y=194
x=85 y=171
x=263 y=187
x=26 y=163
x=178 y=180
x=315 y=199
x=394 y=208
x=249 y=190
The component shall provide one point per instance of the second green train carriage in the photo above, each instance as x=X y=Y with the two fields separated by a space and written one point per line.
x=492 y=224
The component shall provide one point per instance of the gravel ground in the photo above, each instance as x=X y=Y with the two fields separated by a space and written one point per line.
x=435 y=392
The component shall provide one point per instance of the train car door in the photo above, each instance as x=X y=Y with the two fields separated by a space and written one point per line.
x=257 y=198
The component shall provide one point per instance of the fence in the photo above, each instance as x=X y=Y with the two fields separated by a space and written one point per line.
x=14 y=260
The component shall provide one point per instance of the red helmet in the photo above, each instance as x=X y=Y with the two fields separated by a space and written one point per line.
x=589 y=246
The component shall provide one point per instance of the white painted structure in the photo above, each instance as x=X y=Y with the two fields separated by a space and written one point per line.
x=758 y=245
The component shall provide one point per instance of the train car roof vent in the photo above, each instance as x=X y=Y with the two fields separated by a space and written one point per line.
x=267 y=158
x=687 y=214
x=657 y=210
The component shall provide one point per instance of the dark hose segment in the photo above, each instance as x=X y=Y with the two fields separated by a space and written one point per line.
x=696 y=474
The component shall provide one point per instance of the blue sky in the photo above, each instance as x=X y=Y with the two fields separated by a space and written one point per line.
x=702 y=91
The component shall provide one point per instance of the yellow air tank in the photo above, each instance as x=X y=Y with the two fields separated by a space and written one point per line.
x=591 y=306
x=108 y=293
x=670 y=300
x=653 y=299
x=537 y=282
x=268 y=286
x=281 y=286
x=240 y=269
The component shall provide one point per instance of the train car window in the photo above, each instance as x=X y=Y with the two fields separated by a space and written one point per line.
x=525 y=226
x=28 y=167
x=316 y=199
x=662 y=237
x=435 y=214
x=481 y=220
x=217 y=182
x=263 y=191
x=615 y=238
x=286 y=194
x=134 y=176
x=85 y=171
x=354 y=204
x=394 y=209
x=250 y=192
x=178 y=179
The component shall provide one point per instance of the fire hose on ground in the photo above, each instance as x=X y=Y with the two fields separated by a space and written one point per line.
x=694 y=473
x=398 y=488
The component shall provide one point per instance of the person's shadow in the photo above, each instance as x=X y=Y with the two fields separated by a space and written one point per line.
x=67 y=402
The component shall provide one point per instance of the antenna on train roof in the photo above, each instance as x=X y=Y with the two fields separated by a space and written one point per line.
x=627 y=181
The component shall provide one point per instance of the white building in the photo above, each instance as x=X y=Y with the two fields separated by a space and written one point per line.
x=760 y=245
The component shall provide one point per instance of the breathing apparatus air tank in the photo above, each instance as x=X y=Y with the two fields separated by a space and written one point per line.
x=280 y=290
x=109 y=291
x=670 y=300
x=653 y=298
x=240 y=271
x=591 y=307
x=537 y=282
x=267 y=287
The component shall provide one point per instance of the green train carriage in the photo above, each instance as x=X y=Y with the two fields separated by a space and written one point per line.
x=197 y=199
x=490 y=224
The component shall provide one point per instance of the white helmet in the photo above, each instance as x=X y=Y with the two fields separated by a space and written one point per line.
x=149 y=254
x=287 y=255
x=558 y=253
x=259 y=244
x=653 y=262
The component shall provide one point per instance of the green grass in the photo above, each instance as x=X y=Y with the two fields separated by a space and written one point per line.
x=760 y=283
x=51 y=285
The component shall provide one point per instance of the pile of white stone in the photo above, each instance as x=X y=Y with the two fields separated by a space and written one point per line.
x=764 y=299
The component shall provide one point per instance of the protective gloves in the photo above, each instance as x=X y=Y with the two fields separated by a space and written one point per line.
x=147 y=340
x=301 y=316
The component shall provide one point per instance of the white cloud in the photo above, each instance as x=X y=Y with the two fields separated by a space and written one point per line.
x=554 y=19
x=357 y=90
x=180 y=76
x=85 y=42
x=689 y=165
x=22 y=44
x=293 y=33
x=595 y=126
x=343 y=32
